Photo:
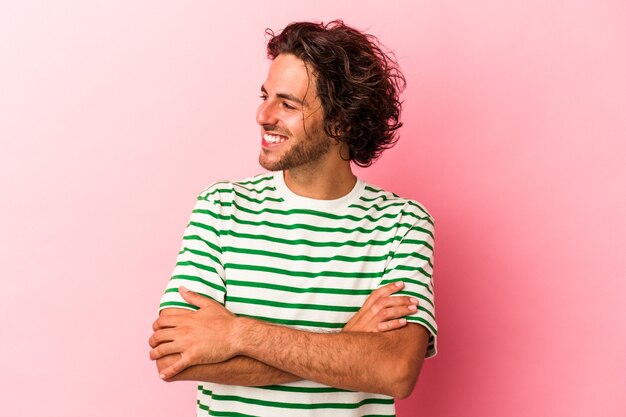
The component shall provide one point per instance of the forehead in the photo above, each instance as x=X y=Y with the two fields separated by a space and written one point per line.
x=288 y=74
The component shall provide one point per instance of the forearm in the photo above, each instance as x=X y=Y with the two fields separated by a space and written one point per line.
x=240 y=370
x=249 y=352
x=371 y=362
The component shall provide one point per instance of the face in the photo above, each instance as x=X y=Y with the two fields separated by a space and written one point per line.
x=291 y=117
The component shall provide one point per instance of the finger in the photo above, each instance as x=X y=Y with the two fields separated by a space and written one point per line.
x=396 y=312
x=391 y=325
x=152 y=342
x=391 y=302
x=161 y=336
x=390 y=299
x=164 y=349
x=174 y=369
x=382 y=292
x=164 y=322
x=391 y=288
x=194 y=298
x=398 y=300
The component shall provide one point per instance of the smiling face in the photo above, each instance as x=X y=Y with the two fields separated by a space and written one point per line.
x=291 y=118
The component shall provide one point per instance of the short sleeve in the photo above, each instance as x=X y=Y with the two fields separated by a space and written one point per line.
x=412 y=263
x=199 y=265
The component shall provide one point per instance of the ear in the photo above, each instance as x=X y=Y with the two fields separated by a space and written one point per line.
x=338 y=131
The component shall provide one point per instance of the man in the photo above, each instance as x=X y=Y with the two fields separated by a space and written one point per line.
x=289 y=275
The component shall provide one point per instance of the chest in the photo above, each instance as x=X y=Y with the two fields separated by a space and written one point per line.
x=302 y=272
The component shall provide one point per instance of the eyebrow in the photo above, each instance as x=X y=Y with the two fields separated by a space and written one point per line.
x=286 y=96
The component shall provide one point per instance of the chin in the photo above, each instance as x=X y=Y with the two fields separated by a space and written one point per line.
x=268 y=165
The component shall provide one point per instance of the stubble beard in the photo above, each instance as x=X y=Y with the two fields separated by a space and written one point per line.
x=305 y=152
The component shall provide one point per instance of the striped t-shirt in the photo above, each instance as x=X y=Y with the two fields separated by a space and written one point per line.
x=267 y=253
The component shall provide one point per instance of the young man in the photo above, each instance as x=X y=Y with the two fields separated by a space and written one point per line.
x=280 y=301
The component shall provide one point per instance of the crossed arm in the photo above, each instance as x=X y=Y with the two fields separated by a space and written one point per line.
x=239 y=370
x=376 y=352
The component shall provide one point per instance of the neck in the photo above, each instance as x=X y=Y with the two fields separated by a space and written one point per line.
x=326 y=184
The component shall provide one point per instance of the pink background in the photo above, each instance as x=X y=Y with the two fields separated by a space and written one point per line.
x=114 y=114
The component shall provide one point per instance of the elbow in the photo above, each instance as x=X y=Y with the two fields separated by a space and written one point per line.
x=403 y=386
x=403 y=381
x=406 y=363
x=403 y=392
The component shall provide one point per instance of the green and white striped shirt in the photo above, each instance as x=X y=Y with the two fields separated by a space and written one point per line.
x=267 y=253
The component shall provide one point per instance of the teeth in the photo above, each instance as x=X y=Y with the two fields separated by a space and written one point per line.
x=273 y=138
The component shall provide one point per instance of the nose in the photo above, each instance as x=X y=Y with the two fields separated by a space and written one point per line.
x=266 y=114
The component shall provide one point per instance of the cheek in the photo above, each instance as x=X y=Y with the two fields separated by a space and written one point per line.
x=315 y=126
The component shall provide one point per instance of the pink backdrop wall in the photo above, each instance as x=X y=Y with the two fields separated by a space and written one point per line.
x=114 y=114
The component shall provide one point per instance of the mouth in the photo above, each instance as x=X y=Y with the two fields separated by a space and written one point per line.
x=273 y=139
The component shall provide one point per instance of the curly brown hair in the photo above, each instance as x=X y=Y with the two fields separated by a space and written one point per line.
x=358 y=83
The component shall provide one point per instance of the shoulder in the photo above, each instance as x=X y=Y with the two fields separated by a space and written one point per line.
x=389 y=202
x=225 y=190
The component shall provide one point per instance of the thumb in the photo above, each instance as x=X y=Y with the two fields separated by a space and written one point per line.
x=174 y=369
x=193 y=298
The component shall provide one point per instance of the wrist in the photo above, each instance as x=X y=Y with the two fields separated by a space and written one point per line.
x=241 y=335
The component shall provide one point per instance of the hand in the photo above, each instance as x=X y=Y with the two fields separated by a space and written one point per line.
x=382 y=313
x=200 y=337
